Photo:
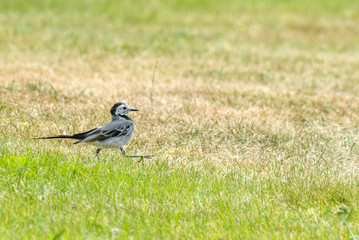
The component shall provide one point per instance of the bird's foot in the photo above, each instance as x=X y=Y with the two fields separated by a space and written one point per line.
x=140 y=156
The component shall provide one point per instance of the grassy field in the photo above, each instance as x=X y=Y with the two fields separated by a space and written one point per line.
x=253 y=116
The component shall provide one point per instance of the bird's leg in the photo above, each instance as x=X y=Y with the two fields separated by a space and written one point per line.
x=123 y=151
x=98 y=150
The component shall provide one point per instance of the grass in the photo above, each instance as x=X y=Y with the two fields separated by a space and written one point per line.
x=252 y=115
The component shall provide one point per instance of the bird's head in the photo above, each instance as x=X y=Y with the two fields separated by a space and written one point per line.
x=121 y=109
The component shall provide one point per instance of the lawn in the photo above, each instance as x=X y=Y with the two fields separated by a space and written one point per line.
x=250 y=107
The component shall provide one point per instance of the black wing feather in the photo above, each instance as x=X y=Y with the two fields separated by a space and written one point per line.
x=108 y=131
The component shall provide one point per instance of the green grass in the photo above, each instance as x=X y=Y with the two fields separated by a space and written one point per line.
x=49 y=193
x=252 y=116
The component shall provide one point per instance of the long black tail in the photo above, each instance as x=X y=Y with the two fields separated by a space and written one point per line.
x=61 y=136
x=79 y=136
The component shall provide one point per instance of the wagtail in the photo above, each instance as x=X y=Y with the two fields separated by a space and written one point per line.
x=114 y=134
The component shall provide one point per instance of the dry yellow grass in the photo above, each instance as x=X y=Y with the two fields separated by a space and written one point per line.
x=60 y=95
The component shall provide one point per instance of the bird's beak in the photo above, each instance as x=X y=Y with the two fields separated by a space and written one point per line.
x=133 y=109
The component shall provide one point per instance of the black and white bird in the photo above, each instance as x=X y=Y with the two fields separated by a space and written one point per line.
x=114 y=134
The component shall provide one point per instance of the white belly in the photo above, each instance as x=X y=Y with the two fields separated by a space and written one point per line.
x=114 y=142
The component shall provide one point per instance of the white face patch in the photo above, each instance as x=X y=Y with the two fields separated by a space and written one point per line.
x=122 y=110
x=118 y=111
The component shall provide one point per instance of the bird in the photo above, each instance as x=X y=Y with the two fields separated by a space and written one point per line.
x=114 y=134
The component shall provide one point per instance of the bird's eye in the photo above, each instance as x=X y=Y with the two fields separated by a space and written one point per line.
x=124 y=108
